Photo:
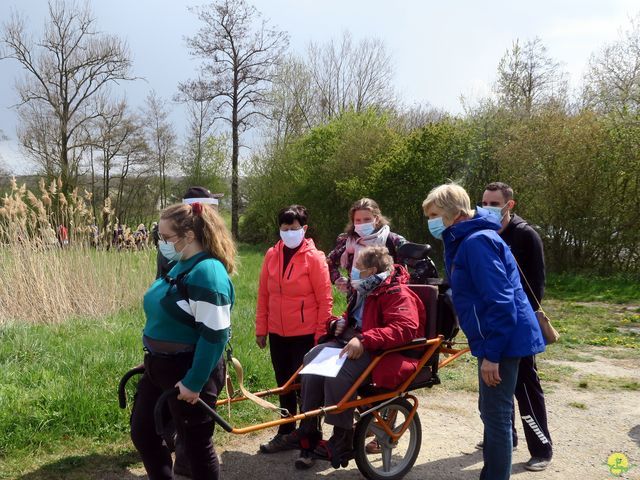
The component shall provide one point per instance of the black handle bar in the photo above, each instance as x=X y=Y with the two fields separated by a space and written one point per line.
x=157 y=411
x=122 y=395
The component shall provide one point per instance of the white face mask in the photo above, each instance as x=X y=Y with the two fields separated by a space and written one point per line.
x=168 y=250
x=365 y=229
x=292 y=238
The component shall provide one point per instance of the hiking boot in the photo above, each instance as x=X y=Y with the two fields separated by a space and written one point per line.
x=305 y=461
x=281 y=442
x=537 y=464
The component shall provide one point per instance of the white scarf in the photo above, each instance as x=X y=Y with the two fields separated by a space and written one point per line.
x=355 y=244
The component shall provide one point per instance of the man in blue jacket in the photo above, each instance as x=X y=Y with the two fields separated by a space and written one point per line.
x=493 y=309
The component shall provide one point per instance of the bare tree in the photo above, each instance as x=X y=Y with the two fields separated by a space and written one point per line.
x=334 y=77
x=529 y=78
x=135 y=166
x=294 y=106
x=70 y=64
x=240 y=53
x=201 y=111
x=118 y=146
x=349 y=75
x=161 y=138
x=612 y=81
x=417 y=116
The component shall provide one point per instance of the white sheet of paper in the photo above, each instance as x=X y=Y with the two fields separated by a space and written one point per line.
x=326 y=363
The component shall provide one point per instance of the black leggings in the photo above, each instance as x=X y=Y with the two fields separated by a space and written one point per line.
x=287 y=354
x=192 y=422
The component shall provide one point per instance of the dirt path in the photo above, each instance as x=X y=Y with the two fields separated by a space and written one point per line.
x=604 y=422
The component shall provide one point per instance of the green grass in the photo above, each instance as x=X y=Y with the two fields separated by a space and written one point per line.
x=599 y=382
x=58 y=382
x=59 y=416
x=582 y=324
x=588 y=288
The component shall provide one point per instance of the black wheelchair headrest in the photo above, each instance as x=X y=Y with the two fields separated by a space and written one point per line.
x=416 y=251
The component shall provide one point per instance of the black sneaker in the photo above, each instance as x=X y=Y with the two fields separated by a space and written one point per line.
x=281 y=442
x=537 y=464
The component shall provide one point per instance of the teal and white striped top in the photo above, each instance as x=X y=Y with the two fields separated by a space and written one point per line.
x=203 y=320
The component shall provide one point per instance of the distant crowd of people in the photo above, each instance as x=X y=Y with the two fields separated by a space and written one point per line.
x=121 y=238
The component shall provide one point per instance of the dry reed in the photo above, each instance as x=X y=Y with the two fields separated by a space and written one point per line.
x=44 y=279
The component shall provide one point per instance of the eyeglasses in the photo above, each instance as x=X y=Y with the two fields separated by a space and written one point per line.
x=166 y=238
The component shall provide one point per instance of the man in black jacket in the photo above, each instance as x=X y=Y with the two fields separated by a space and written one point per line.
x=526 y=246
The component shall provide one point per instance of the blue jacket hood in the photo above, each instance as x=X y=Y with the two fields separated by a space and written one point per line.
x=493 y=309
x=455 y=234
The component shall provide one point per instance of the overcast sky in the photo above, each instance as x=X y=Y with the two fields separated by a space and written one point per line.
x=441 y=50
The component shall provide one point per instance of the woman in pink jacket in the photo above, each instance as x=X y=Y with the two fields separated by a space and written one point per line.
x=294 y=303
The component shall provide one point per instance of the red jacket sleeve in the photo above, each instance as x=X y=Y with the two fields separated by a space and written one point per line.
x=262 y=308
x=398 y=325
x=319 y=276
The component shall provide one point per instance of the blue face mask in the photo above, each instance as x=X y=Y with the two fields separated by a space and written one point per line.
x=496 y=211
x=168 y=250
x=436 y=227
x=364 y=229
x=355 y=274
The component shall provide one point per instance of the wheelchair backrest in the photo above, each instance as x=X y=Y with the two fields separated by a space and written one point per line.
x=441 y=316
x=429 y=296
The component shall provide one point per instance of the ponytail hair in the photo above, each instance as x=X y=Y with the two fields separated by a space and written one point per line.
x=208 y=227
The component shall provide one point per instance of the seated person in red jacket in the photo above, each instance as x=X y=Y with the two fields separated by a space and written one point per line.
x=384 y=314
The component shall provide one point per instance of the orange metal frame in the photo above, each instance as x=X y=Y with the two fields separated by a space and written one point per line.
x=431 y=347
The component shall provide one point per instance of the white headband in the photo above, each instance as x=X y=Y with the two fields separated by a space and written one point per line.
x=210 y=201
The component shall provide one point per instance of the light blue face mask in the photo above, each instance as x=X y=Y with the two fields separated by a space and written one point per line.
x=436 y=227
x=497 y=211
x=355 y=277
x=355 y=274
x=168 y=250
x=364 y=229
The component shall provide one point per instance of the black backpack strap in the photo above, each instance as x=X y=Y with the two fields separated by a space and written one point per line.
x=179 y=282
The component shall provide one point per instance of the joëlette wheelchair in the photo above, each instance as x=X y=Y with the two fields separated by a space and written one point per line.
x=388 y=416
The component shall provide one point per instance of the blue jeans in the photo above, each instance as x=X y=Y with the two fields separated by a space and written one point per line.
x=496 y=405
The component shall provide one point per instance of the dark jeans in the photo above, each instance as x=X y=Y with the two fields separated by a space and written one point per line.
x=287 y=354
x=496 y=406
x=318 y=391
x=532 y=409
x=192 y=423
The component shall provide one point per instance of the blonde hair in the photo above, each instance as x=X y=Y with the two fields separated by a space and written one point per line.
x=209 y=229
x=451 y=198
x=365 y=204
x=376 y=257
